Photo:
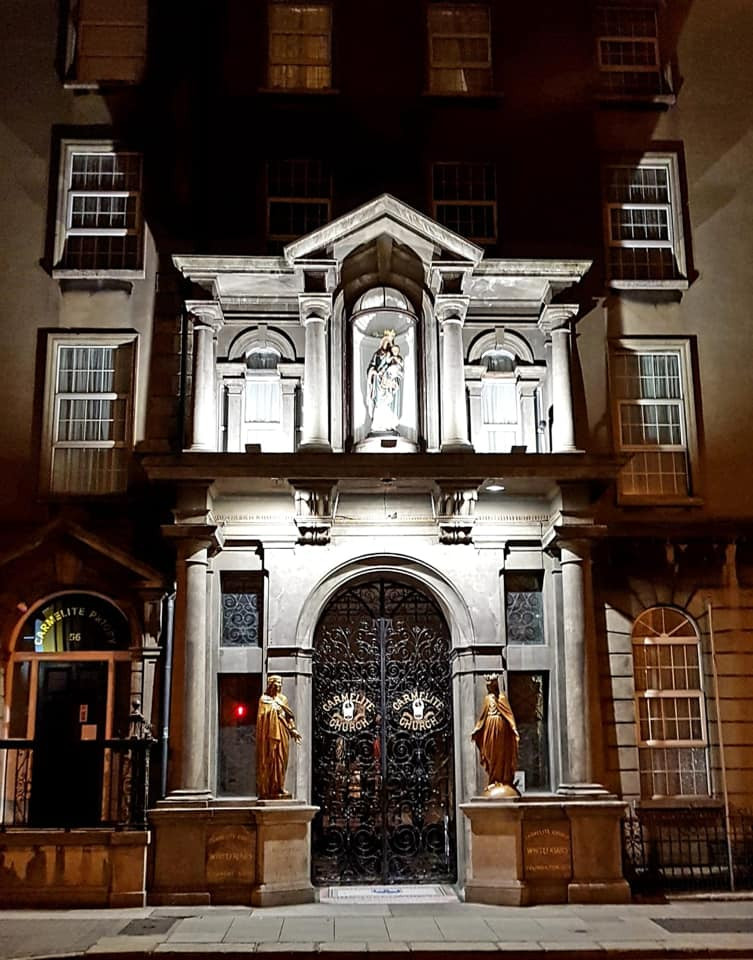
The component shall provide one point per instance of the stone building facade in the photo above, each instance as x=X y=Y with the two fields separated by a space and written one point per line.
x=382 y=375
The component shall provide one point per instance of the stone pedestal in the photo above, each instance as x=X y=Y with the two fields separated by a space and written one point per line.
x=255 y=853
x=283 y=853
x=530 y=851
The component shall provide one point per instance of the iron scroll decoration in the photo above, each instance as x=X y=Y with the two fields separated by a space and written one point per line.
x=382 y=739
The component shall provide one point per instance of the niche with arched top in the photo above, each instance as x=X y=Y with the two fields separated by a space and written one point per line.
x=384 y=404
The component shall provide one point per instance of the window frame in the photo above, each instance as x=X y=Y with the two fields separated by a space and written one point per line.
x=65 y=195
x=491 y=204
x=669 y=162
x=285 y=238
x=663 y=95
x=459 y=65
x=279 y=88
x=682 y=348
x=69 y=50
x=49 y=445
x=647 y=746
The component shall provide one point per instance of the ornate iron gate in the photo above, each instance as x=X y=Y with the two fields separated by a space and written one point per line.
x=382 y=739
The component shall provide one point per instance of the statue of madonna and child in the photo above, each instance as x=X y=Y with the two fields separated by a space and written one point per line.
x=384 y=385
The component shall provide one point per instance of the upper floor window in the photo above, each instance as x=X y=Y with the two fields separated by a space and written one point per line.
x=669 y=703
x=88 y=421
x=106 y=42
x=300 y=46
x=299 y=199
x=263 y=386
x=643 y=223
x=464 y=199
x=627 y=50
x=651 y=388
x=460 y=55
x=100 y=228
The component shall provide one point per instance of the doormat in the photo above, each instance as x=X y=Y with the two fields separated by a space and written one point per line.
x=399 y=893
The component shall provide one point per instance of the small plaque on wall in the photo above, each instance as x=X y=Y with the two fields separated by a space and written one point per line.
x=546 y=851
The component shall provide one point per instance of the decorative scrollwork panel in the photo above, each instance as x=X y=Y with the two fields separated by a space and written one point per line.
x=383 y=761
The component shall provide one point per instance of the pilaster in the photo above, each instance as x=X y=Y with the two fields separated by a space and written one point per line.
x=557 y=321
x=450 y=311
x=315 y=311
x=207 y=320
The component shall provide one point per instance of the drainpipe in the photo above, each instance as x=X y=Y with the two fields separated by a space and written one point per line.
x=169 y=631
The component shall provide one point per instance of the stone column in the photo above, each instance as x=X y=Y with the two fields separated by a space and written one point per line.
x=528 y=382
x=234 y=426
x=574 y=564
x=315 y=311
x=207 y=320
x=557 y=322
x=450 y=311
x=189 y=773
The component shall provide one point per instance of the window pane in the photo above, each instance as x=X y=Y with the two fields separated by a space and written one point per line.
x=241 y=609
x=528 y=693
x=236 y=744
x=524 y=608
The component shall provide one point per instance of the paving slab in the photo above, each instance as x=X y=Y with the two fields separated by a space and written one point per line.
x=390 y=946
x=308 y=929
x=453 y=945
x=343 y=946
x=254 y=929
x=411 y=929
x=367 y=928
x=33 y=937
x=290 y=947
x=125 y=944
x=470 y=930
x=205 y=948
x=205 y=929
x=515 y=929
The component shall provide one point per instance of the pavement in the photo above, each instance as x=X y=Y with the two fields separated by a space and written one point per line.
x=385 y=925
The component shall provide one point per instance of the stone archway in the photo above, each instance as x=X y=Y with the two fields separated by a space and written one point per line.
x=382 y=736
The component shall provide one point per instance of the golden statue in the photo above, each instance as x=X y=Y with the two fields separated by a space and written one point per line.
x=275 y=725
x=496 y=736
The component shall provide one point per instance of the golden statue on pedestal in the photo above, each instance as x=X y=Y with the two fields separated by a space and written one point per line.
x=275 y=725
x=496 y=736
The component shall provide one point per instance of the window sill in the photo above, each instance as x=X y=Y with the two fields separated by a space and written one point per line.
x=94 y=86
x=679 y=283
x=301 y=91
x=659 y=100
x=643 y=500
x=490 y=95
x=62 y=273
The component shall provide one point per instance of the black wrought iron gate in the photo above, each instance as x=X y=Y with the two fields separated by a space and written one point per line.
x=382 y=739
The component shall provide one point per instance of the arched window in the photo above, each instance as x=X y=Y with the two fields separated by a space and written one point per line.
x=500 y=408
x=670 y=707
x=263 y=387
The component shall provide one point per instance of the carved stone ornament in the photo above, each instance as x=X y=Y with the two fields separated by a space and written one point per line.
x=455 y=511
x=314 y=513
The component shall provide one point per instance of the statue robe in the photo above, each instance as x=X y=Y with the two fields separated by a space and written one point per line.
x=272 y=746
x=496 y=737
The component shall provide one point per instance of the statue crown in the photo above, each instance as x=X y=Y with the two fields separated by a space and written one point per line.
x=390 y=334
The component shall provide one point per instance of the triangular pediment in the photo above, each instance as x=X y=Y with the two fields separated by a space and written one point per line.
x=79 y=539
x=384 y=215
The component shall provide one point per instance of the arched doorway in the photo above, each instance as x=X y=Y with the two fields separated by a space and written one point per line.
x=382 y=738
x=68 y=691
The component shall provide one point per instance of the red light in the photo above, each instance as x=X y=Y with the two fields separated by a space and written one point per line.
x=241 y=711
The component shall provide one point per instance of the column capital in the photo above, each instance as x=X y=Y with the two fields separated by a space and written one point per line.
x=192 y=538
x=573 y=549
x=557 y=316
x=451 y=308
x=206 y=313
x=314 y=307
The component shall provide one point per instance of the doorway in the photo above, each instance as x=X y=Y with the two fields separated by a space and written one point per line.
x=66 y=787
x=382 y=739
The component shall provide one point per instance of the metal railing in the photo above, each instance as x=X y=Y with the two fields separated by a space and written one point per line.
x=673 y=850
x=115 y=794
